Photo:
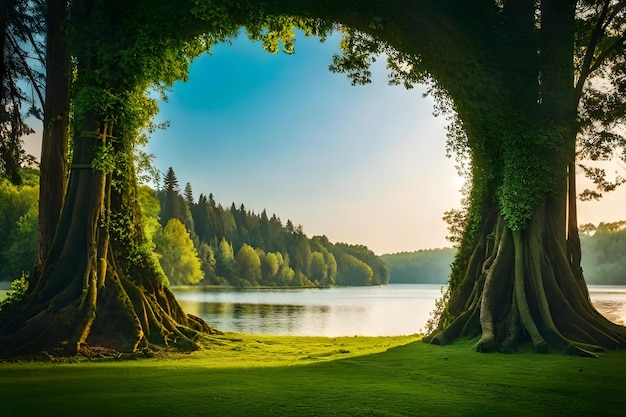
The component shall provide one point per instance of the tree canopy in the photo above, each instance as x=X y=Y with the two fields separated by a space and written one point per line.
x=21 y=27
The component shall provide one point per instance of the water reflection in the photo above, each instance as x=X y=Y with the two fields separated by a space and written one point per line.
x=281 y=319
x=610 y=300
x=399 y=309
x=367 y=311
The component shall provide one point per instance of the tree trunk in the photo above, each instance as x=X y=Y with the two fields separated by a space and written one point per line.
x=521 y=286
x=53 y=166
x=515 y=282
x=100 y=286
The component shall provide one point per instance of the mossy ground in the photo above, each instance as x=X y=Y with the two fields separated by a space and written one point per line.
x=247 y=375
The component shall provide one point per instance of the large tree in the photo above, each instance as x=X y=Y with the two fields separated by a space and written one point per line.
x=519 y=76
x=100 y=284
x=517 y=275
x=507 y=68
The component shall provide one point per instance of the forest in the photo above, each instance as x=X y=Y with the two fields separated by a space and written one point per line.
x=201 y=242
x=603 y=261
x=426 y=266
x=198 y=241
x=603 y=248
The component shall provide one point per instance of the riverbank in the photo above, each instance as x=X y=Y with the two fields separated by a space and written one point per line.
x=306 y=376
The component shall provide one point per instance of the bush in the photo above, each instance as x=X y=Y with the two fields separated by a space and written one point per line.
x=16 y=294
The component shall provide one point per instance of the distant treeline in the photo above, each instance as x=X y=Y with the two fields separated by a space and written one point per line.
x=431 y=266
x=235 y=246
x=603 y=262
x=604 y=253
x=201 y=242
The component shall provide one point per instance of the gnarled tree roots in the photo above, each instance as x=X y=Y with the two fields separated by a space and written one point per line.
x=121 y=316
x=100 y=285
x=520 y=286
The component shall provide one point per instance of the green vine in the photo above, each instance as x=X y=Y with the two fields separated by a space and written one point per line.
x=528 y=177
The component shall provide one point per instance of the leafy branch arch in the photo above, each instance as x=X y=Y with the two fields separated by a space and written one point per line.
x=517 y=275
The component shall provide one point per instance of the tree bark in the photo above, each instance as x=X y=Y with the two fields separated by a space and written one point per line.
x=527 y=291
x=100 y=288
x=53 y=165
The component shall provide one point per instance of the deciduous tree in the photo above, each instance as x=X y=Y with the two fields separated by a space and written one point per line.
x=177 y=255
x=248 y=264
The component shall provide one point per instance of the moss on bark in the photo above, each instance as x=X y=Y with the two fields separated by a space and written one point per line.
x=96 y=292
x=528 y=291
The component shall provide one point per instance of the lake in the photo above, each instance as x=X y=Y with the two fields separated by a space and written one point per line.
x=389 y=310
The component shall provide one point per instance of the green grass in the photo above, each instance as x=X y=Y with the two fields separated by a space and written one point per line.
x=3 y=295
x=245 y=375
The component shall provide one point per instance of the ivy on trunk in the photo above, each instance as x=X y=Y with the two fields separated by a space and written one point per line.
x=101 y=286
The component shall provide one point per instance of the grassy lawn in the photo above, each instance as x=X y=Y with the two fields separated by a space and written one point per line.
x=244 y=375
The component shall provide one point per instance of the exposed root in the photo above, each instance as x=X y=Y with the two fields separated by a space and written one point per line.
x=527 y=290
x=86 y=301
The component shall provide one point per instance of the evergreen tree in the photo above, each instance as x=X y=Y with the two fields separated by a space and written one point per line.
x=225 y=260
x=170 y=205
x=173 y=205
x=170 y=182
x=202 y=219
x=189 y=195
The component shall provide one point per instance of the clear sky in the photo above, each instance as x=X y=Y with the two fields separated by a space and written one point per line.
x=362 y=165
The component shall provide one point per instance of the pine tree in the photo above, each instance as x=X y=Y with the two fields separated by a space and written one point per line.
x=170 y=182
x=189 y=195
x=170 y=196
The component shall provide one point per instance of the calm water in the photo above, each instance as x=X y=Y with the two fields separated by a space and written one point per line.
x=390 y=310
